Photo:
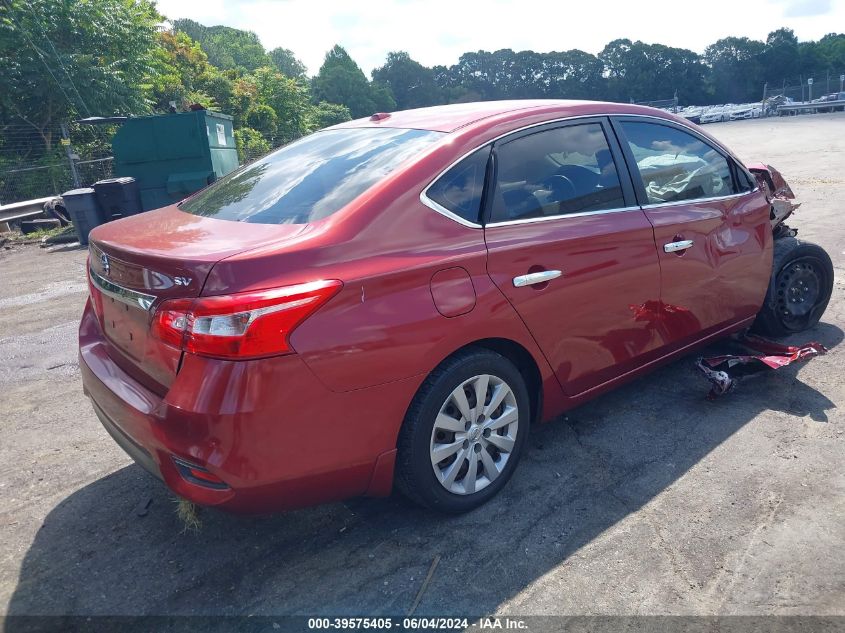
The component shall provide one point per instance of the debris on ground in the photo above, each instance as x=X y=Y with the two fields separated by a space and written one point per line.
x=143 y=507
x=724 y=372
x=425 y=584
x=188 y=514
x=66 y=236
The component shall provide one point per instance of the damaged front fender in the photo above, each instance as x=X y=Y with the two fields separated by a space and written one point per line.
x=777 y=190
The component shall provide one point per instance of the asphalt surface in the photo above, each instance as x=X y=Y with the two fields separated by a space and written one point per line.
x=649 y=500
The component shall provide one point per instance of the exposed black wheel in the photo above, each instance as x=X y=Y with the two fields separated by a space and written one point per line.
x=800 y=289
x=464 y=432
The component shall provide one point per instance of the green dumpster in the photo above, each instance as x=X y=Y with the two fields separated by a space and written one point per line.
x=173 y=155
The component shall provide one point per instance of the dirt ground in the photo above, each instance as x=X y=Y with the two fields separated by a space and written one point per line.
x=650 y=500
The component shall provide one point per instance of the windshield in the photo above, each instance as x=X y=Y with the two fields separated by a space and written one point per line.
x=311 y=178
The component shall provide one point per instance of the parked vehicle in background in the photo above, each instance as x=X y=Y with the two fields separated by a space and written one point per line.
x=399 y=298
x=692 y=113
x=746 y=112
x=834 y=97
x=715 y=115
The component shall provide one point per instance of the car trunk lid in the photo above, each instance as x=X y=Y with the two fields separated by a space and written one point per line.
x=137 y=263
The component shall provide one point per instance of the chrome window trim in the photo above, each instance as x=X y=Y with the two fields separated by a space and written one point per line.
x=431 y=204
x=119 y=293
x=579 y=214
x=675 y=203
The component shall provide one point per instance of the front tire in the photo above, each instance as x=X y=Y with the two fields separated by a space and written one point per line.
x=802 y=282
x=464 y=432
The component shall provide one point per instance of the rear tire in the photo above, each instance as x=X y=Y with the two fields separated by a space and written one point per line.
x=479 y=444
x=800 y=289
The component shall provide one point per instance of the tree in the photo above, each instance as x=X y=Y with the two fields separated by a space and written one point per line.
x=286 y=63
x=64 y=59
x=574 y=74
x=643 y=72
x=735 y=69
x=780 y=58
x=226 y=47
x=326 y=114
x=832 y=49
x=264 y=119
x=250 y=144
x=341 y=80
x=411 y=84
x=288 y=98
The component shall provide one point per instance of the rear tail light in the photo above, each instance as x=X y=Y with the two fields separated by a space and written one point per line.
x=239 y=326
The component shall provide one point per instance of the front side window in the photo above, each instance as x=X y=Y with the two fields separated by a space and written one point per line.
x=555 y=172
x=460 y=189
x=676 y=166
x=311 y=178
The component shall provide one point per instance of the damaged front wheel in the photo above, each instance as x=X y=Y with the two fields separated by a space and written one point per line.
x=800 y=289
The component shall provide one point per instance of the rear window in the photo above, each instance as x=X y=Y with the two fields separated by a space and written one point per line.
x=311 y=178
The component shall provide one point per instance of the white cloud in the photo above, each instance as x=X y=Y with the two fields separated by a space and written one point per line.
x=438 y=31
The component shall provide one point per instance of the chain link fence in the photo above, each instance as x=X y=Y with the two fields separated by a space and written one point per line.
x=39 y=163
x=807 y=88
x=28 y=182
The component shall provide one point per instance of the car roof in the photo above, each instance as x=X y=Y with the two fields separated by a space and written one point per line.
x=449 y=118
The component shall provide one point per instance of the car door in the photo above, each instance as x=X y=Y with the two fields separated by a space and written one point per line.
x=571 y=250
x=711 y=227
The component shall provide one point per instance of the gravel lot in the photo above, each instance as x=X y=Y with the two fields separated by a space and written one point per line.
x=650 y=500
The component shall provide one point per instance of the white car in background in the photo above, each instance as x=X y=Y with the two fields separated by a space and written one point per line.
x=715 y=115
x=751 y=111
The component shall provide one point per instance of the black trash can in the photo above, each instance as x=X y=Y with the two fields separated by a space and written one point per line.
x=119 y=197
x=84 y=211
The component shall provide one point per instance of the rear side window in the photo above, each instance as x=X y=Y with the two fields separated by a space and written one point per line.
x=555 y=172
x=459 y=190
x=676 y=166
x=311 y=178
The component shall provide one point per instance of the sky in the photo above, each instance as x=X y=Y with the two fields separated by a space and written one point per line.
x=439 y=31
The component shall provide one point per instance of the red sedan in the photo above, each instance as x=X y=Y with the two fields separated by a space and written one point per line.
x=397 y=299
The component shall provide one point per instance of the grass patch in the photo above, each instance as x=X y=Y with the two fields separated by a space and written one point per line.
x=35 y=236
x=188 y=514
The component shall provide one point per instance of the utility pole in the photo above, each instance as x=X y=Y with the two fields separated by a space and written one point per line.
x=71 y=157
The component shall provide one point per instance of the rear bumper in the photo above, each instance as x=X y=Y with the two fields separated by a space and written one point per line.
x=269 y=429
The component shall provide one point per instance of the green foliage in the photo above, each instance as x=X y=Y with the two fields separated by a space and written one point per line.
x=341 y=80
x=735 y=65
x=64 y=59
x=640 y=71
x=250 y=144
x=325 y=114
x=411 y=84
x=263 y=118
x=226 y=47
x=286 y=63
x=288 y=98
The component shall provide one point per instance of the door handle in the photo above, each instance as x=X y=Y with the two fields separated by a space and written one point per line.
x=674 y=247
x=536 y=278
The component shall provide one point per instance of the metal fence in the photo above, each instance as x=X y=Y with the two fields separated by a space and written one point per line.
x=37 y=163
x=29 y=182
x=808 y=88
x=665 y=104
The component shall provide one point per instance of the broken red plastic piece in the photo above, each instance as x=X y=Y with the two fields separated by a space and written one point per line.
x=724 y=372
